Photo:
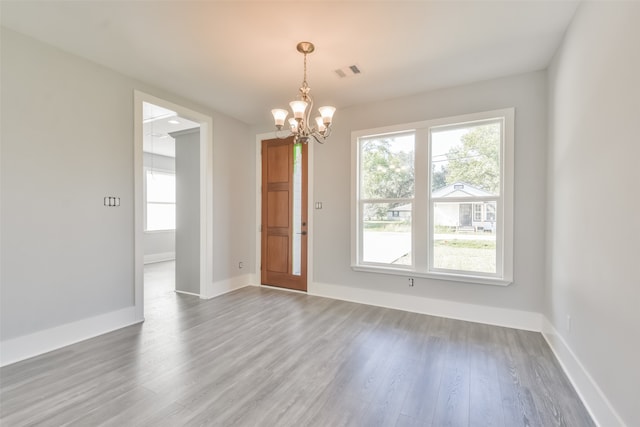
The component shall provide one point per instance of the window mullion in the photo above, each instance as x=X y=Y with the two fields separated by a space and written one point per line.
x=403 y=200
x=466 y=199
x=421 y=208
x=153 y=202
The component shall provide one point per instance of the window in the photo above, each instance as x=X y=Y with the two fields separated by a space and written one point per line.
x=387 y=188
x=160 y=193
x=477 y=213
x=435 y=198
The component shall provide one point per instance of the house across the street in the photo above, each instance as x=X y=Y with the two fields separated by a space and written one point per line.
x=472 y=215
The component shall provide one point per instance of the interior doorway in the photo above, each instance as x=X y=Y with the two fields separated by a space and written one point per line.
x=284 y=221
x=159 y=127
x=170 y=207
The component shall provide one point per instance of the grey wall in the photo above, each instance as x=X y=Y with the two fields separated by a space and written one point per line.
x=188 y=210
x=64 y=255
x=67 y=141
x=593 y=198
x=159 y=242
x=331 y=227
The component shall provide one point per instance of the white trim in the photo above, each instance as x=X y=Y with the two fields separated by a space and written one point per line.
x=518 y=319
x=277 y=288
x=186 y=293
x=206 y=193
x=258 y=263
x=159 y=257
x=138 y=203
x=407 y=272
x=310 y=213
x=227 y=285
x=587 y=388
x=26 y=346
x=310 y=207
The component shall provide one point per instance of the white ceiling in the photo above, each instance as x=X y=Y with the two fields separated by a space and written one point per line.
x=158 y=124
x=239 y=57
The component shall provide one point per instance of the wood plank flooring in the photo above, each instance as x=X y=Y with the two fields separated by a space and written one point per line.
x=263 y=357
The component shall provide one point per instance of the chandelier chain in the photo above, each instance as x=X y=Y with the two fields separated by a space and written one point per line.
x=304 y=79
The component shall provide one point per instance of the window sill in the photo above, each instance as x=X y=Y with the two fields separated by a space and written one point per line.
x=481 y=280
x=170 y=230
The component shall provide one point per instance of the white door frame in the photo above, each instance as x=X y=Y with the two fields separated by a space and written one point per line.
x=206 y=195
x=258 y=277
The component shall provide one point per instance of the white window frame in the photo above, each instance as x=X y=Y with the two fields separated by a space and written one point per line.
x=405 y=200
x=146 y=202
x=422 y=205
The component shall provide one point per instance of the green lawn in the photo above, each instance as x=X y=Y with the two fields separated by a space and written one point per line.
x=468 y=255
x=472 y=255
x=390 y=226
x=468 y=244
x=451 y=253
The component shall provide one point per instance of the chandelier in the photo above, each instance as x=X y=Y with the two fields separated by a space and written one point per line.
x=299 y=124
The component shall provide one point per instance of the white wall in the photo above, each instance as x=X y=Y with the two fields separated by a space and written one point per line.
x=331 y=233
x=188 y=233
x=67 y=141
x=593 y=235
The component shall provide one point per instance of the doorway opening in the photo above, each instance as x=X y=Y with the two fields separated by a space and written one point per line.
x=170 y=157
x=173 y=218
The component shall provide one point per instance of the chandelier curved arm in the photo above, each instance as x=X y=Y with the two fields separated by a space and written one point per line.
x=306 y=128
x=320 y=140
x=283 y=133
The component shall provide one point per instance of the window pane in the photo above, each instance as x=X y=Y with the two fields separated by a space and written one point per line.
x=161 y=187
x=387 y=167
x=161 y=216
x=297 y=210
x=465 y=161
x=386 y=233
x=460 y=242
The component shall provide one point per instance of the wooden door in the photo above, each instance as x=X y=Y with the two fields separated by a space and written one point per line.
x=284 y=214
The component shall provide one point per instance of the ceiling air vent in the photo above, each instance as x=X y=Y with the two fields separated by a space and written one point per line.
x=349 y=71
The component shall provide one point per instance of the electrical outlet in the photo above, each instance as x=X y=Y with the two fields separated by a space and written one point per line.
x=411 y=282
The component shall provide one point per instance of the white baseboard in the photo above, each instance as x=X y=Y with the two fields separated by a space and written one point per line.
x=161 y=257
x=223 y=286
x=186 y=293
x=26 y=346
x=518 y=319
x=277 y=288
x=592 y=396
